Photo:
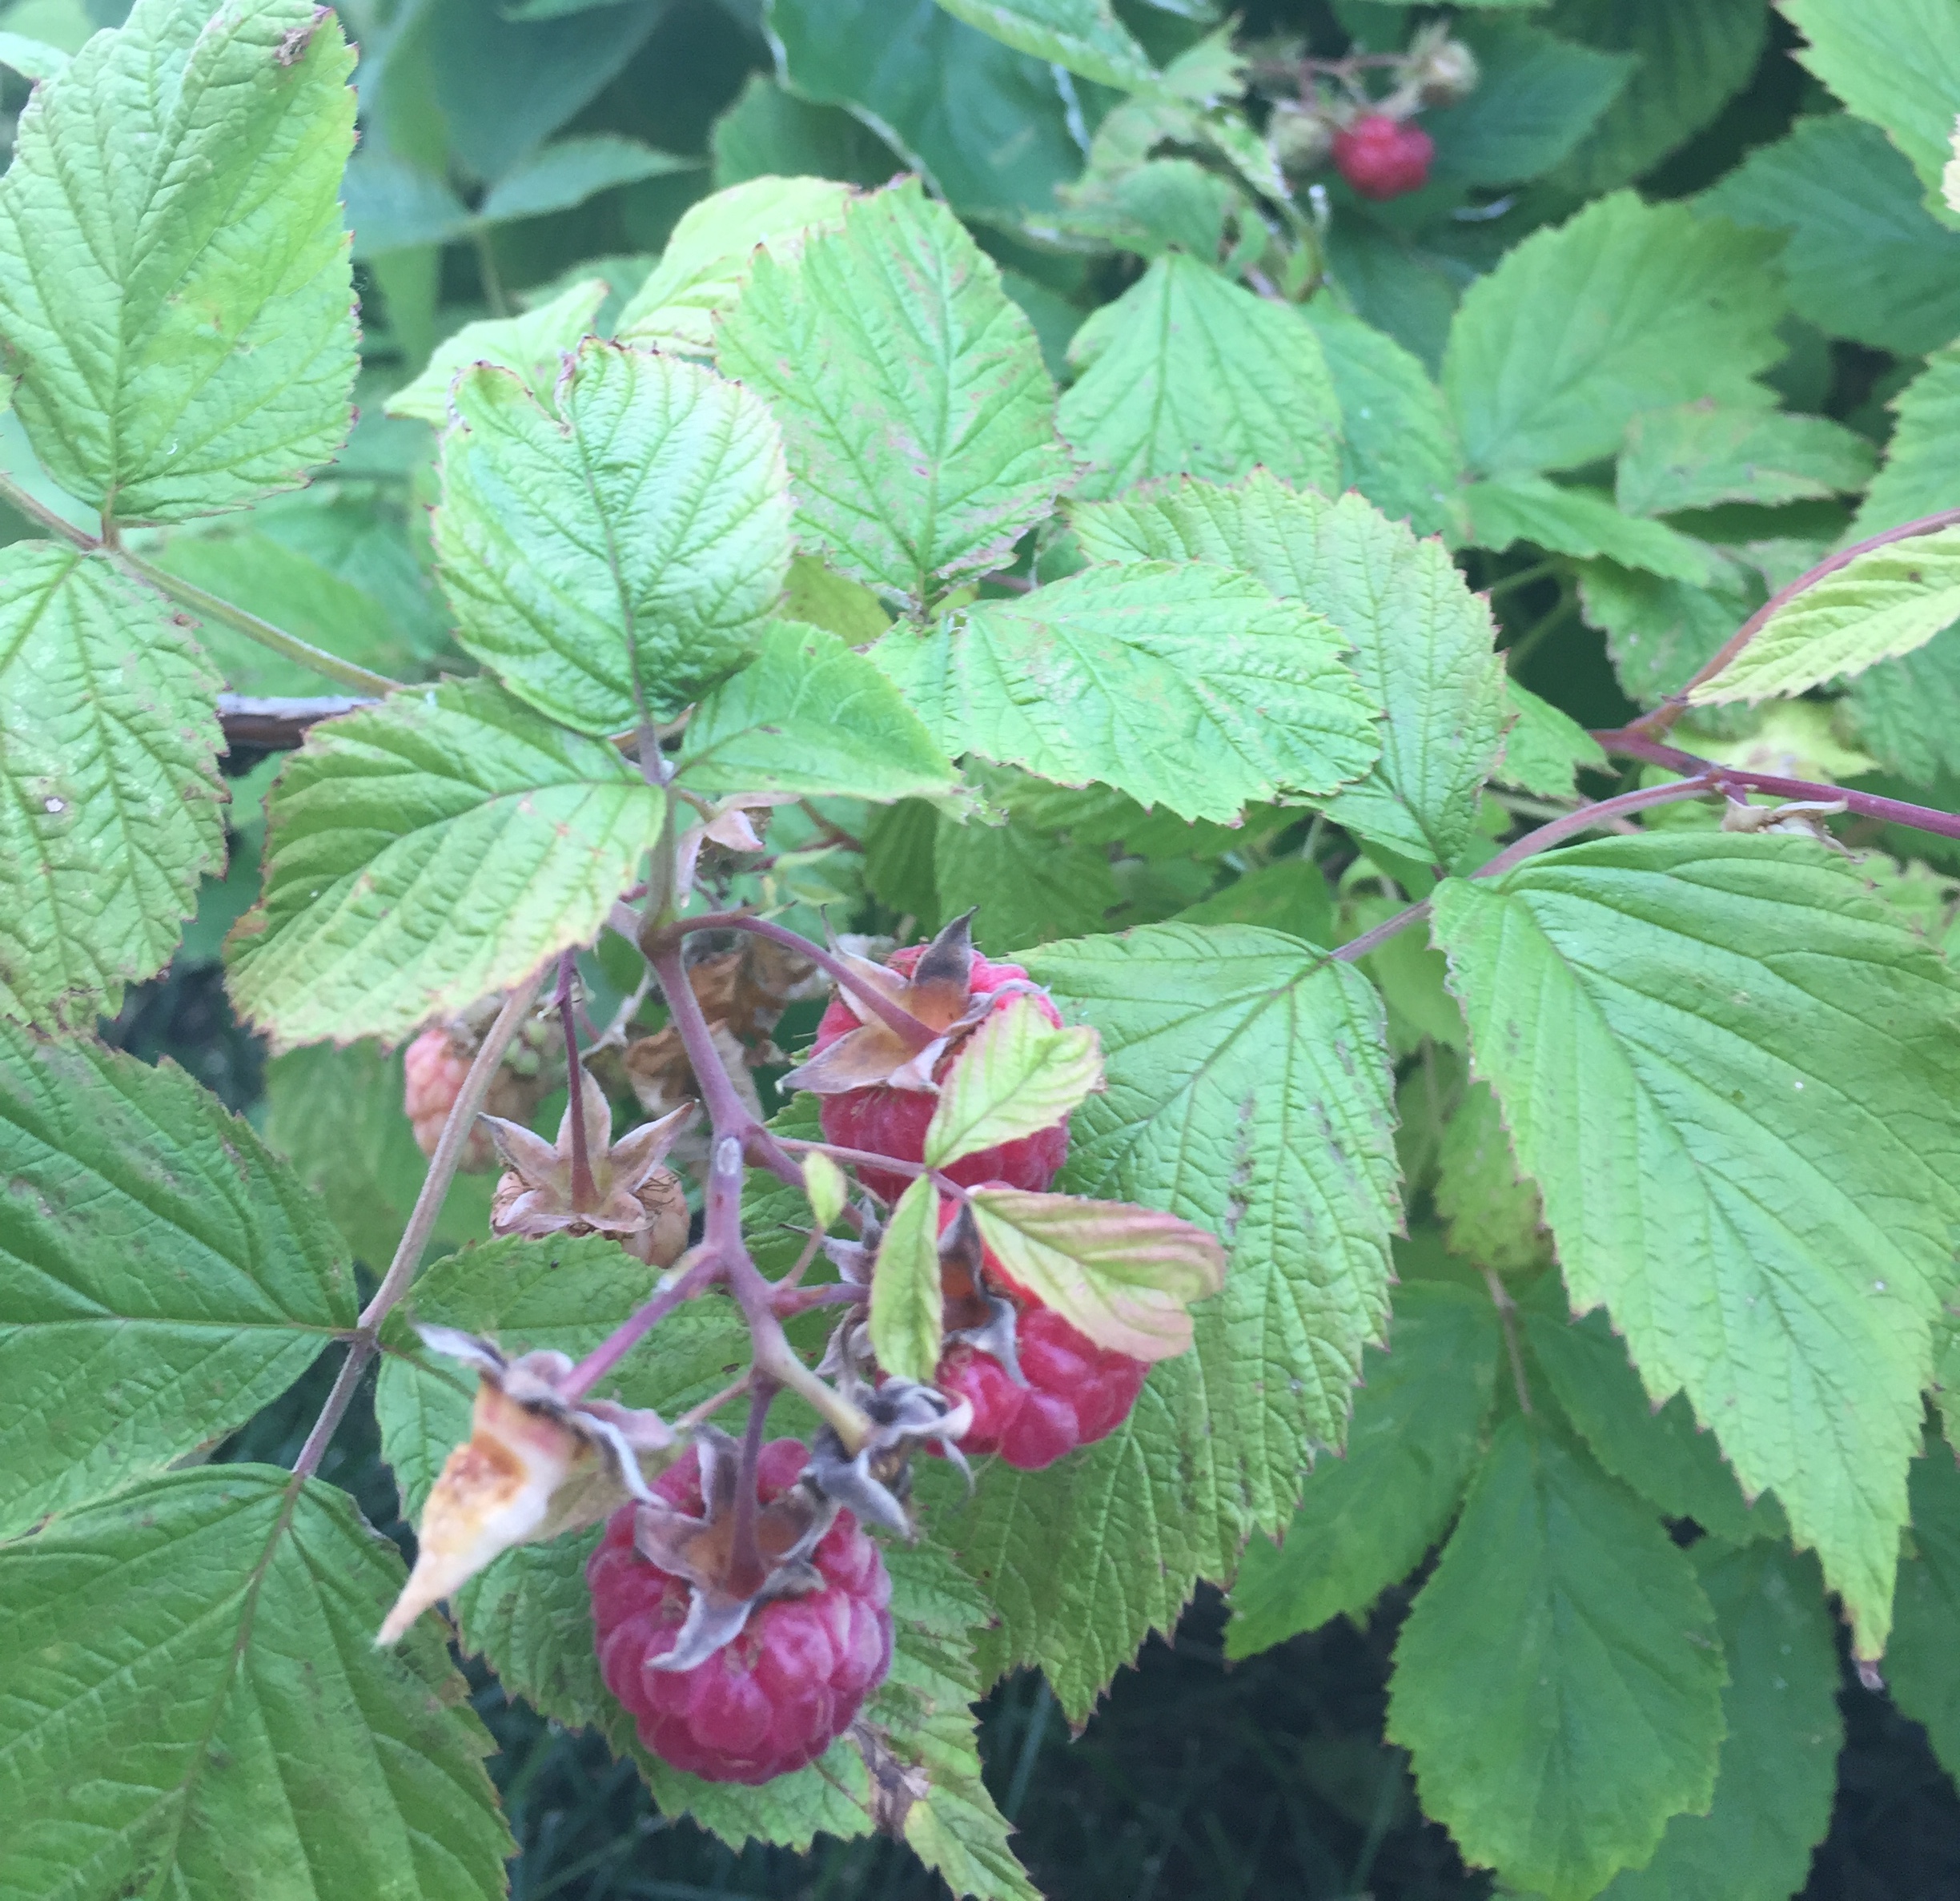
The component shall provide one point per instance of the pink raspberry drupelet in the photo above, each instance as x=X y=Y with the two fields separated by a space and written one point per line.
x=1383 y=157
x=781 y=1692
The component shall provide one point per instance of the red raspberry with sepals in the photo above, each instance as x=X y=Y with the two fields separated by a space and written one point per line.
x=1383 y=157
x=739 y=1669
x=878 y=1092
x=1038 y=1386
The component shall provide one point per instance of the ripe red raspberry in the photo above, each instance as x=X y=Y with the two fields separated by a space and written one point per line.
x=893 y=1122
x=1076 y=1393
x=777 y=1696
x=1383 y=157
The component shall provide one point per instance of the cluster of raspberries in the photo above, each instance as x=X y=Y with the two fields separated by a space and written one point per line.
x=818 y=1637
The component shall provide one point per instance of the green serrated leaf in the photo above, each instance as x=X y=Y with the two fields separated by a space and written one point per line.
x=195 y=1706
x=1493 y=1217
x=809 y=716
x=1895 y=64
x=113 y=812
x=1545 y=747
x=1558 y=1683
x=1423 y=643
x=1537 y=97
x=1290 y=896
x=771 y=132
x=162 y=1276
x=1886 y=603
x=1732 y=1072
x=1582 y=522
x=905 y=1300
x=560 y=176
x=1399 y=446
x=988 y=126
x=1922 y=1666
x=1186 y=372
x=1662 y=1454
x=912 y=394
x=1918 y=478
x=615 y=560
x=1625 y=306
x=178 y=302
x=1083 y=35
x=428 y=852
x=1697 y=454
x=1777 y=1771
x=1660 y=631
x=1150 y=670
x=1365 y=1519
x=336 y=1115
x=1016 y=1074
x=1028 y=888
x=705 y=267
x=532 y=345
x=1864 y=259
x=1692 y=56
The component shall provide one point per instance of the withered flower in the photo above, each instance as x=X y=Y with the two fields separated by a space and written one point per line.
x=876 y=1481
x=536 y=1464
x=628 y=1194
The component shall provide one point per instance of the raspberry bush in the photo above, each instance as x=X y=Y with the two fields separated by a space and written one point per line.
x=1208 y=847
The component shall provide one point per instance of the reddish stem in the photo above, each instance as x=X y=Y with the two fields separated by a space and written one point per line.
x=1633 y=744
x=916 y=1033
x=1652 y=724
x=618 y=1344
x=747 y=1572
x=585 y=1193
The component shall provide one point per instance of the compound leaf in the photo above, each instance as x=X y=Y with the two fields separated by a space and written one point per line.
x=1733 y=1073
x=809 y=716
x=427 y=852
x=1188 y=372
x=1698 y=454
x=196 y=1705
x=914 y=403
x=1083 y=35
x=1545 y=747
x=162 y=1276
x=1624 y=307
x=1183 y=685
x=1423 y=643
x=1558 y=1683
x=1491 y=1216
x=1777 y=1771
x=615 y=559
x=1918 y=477
x=1365 y=1519
x=178 y=300
x=1887 y=602
x=113 y=807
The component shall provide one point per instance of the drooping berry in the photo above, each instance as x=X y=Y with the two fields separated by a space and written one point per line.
x=878 y=1092
x=773 y=1697
x=1383 y=157
x=1070 y=1392
x=435 y=1064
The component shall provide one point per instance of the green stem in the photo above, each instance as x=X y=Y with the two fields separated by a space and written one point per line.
x=301 y=652
x=42 y=516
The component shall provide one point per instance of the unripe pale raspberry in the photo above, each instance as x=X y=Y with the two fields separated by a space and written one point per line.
x=1383 y=157
x=893 y=1122
x=432 y=1072
x=777 y=1696
x=1076 y=1393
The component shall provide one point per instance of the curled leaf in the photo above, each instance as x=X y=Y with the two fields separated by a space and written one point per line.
x=1018 y=1074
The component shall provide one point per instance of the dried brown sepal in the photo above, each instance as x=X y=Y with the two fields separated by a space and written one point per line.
x=727 y=1577
x=938 y=993
x=535 y=1465
x=629 y=1196
x=876 y=1481
x=976 y=1312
